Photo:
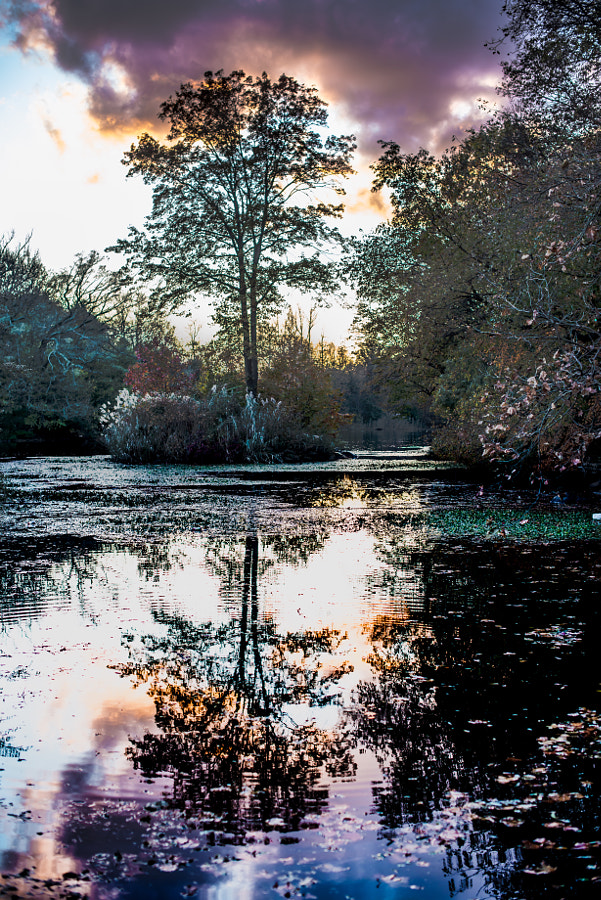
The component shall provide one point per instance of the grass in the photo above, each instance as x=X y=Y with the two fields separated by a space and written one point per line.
x=531 y=525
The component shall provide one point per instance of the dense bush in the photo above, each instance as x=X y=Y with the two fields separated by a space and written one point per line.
x=223 y=427
x=59 y=359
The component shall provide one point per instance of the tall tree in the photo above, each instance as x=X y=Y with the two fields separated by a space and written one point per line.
x=553 y=69
x=237 y=210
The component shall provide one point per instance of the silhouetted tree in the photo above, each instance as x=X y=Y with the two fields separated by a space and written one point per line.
x=235 y=212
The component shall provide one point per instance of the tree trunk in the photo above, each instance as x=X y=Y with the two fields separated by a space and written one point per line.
x=252 y=383
x=249 y=345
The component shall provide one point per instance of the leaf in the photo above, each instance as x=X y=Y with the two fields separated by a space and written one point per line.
x=543 y=869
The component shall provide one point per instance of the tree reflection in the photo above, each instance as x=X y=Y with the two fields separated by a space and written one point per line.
x=488 y=689
x=229 y=559
x=233 y=712
x=35 y=573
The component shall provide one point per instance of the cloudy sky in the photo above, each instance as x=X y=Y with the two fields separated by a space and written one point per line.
x=80 y=79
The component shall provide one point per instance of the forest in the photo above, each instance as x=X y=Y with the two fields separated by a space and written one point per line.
x=477 y=302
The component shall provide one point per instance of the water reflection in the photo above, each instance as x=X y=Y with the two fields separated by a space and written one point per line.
x=350 y=493
x=227 y=701
x=35 y=573
x=501 y=654
x=301 y=705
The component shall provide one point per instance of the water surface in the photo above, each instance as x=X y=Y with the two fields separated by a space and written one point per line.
x=360 y=679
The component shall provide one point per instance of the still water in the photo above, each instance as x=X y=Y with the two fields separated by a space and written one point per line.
x=360 y=680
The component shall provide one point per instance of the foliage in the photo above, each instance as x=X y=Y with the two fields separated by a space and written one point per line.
x=554 y=65
x=302 y=374
x=160 y=427
x=235 y=211
x=479 y=299
x=178 y=417
x=526 y=525
x=21 y=269
x=60 y=360
x=362 y=397
x=490 y=305
x=88 y=284
x=294 y=373
x=423 y=279
x=160 y=366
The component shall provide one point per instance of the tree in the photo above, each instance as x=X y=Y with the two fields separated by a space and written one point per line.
x=294 y=375
x=21 y=269
x=60 y=360
x=88 y=284
x=481 y=295
x=237 y=213
x=427 y=277
x=553 y=70
x=160 y=366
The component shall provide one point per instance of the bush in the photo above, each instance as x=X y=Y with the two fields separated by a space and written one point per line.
x=223 y=427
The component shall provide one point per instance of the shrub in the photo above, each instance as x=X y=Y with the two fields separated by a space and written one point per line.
x=176 y=428
x=145 y=428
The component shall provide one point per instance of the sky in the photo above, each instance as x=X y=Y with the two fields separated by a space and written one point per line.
x=81 y=79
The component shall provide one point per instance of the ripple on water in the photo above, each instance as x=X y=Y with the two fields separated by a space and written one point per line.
x=220 y=686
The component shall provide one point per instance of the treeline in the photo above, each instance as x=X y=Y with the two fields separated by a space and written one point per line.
x=72 y=341
x=190 y=403
x=479 y=300
x=65 y=344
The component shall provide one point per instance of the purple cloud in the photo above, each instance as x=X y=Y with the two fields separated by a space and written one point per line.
x=404 y=70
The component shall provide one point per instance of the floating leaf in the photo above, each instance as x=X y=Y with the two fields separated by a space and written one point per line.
x=543 y=869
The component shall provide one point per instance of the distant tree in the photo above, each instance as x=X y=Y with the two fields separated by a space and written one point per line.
x=237 y=213
x=361 y=396
x=89 y=284
x=294 y=374
x=160 y=366
x=21 y=269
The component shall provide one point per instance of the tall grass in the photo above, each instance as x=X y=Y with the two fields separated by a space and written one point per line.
x=223 y=427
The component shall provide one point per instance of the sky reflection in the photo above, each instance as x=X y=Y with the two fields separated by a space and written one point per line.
x=342 y=708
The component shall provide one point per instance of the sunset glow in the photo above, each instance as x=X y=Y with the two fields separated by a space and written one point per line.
x=79 y=82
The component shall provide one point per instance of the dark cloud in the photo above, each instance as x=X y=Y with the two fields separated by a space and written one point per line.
x=403 y=70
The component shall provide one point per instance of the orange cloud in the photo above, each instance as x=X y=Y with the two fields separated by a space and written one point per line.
x=367 y=201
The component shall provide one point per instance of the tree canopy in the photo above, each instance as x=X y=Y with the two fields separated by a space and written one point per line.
x=237 y=211
x=553 y=69
x=481 y=293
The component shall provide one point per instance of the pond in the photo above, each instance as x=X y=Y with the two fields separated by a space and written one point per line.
x=360 y=679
